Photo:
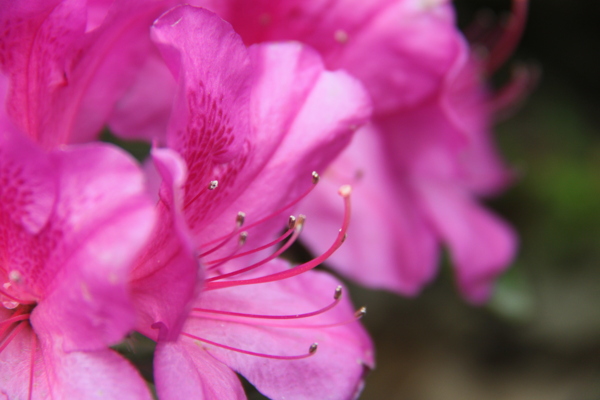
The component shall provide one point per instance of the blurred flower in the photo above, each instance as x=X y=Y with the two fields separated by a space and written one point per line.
x=71 y=222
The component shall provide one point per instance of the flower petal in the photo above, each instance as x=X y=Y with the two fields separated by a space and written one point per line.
x=143 y=112
x=28 y=182
x=97 y=374
x=389 y=244
x=184 y=370
x=167 y=274
x=413 y=41
x=321 y=124
x=335 y=371
x=481 y=244
x=37 y=36
x=210 y=124
x=16 y=365
x=102 y=219
x=66 y=71
x=109 y=58
x=56 y=374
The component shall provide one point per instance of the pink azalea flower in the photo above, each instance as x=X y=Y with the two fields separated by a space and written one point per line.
x=71 y=223
x=250 y=125
x=421 y=166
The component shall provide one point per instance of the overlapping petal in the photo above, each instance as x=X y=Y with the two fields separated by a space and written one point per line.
x=389 y=245
x=35 y=366
x=167 y=275
x=69 y=64
x=184 y=369
x=296 y=118
x=413 y=42
x=333 y=372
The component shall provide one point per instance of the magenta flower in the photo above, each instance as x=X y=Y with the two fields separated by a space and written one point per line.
x=421 y=166
x=71 y=223
x=250 y=125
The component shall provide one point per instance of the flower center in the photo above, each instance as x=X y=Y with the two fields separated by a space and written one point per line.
x=217 y=280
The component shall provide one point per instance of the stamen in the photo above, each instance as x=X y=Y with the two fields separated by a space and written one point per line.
x=15 y=276
x=217 y=263
x=243 y=238
x=315 y=180
x=15 y=318
x=266 y=246
x=291 y=222
x=361 y=312
x=240 y=218
x=336 y=296
x=345 y=192
x=239 y=221
x=211 y=186
x=523 y=80
x=31 y=366
x=315 y=177
x=223 y=243
x=3 y=293
x=506 y=44
x=12 y=335
x=292 y=239
x=340 y=36
x=311 y=350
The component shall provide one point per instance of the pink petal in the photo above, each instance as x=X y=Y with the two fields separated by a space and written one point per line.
x=56 y=374
x=101 y=221
x=28 y=182
x=210 y=125
x=336 y=370
x=98 y=374
x=389 y=245
x=413 y=41
x=466 y=104
x=183 y=370
x=319 y=126
x=166 y=275
x=16 y=365
x=38 y=34
x=144 y=111
x=78 y=67
x=94 y=375
x=481 y=245
x=292 y=120
x=109 y=58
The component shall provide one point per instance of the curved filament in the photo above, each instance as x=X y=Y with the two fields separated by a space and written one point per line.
x=315 y=180
x=299 y=269
x=335 y=302
x=312 y=350
x=276 y=254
